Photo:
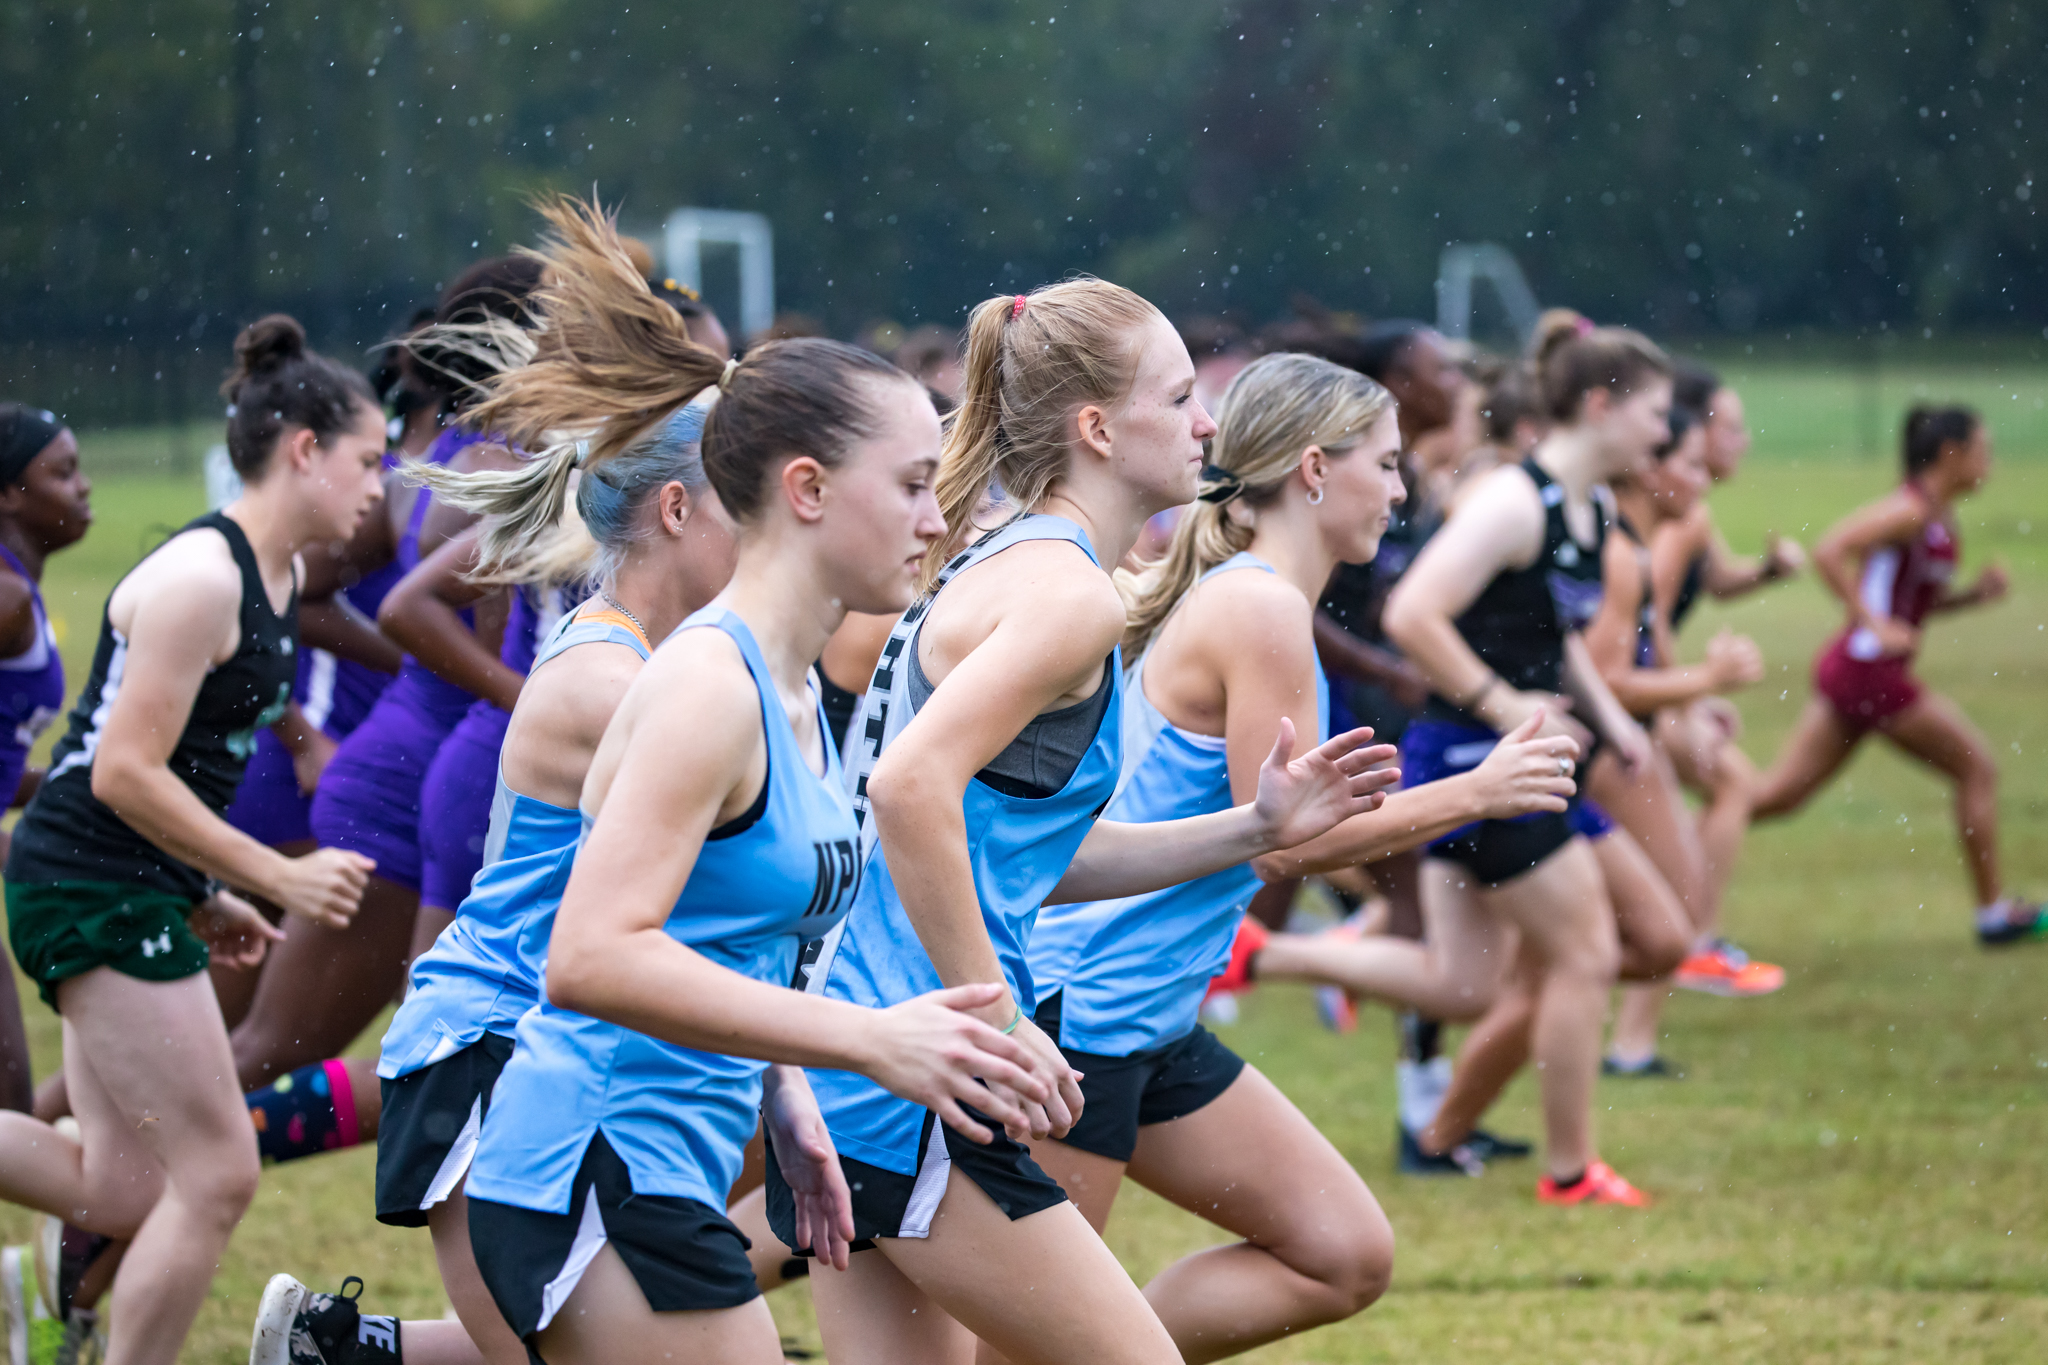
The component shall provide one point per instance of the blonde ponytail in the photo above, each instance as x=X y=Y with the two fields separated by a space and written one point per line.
x=1276 y=408
x=1032 y=361
x=606 y=366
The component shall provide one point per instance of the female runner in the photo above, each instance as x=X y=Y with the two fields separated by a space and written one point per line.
x=324 y=988
x=344 y=662
x=45 y=505
x=664 y=549
x=1630 y=643
x=716 y=836
x=1305 y=471
x=1491 y=610
x=1688 y=557
x=110 y=881
x=1653 y=884
x=989 y=743
x=1891 y=563
x=427 y=617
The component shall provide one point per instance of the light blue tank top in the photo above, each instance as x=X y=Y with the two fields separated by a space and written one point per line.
x=1133 y=971
x=484 y=972
x=1019 y=847
x=783 y=872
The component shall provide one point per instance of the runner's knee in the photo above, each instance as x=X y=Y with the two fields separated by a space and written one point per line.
x=1593 y=955
x=1350 y=1256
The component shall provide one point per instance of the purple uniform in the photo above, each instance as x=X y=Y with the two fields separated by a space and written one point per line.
x=336 y=694
x=455 y=800
x=369 y=797
x=31 y=690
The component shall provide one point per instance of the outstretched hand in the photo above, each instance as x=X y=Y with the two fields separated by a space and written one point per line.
x=810 y=1166
x=1301 y=798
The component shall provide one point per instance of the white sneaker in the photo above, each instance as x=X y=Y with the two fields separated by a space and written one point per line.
x=271 y=1344
x=14 y=1300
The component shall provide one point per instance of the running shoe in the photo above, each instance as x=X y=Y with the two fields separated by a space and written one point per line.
x=1600 y=1186
x=1653 y=1068
x=1493 y=1147
x=295 y=1326
x=1723 y=969
x=78 y=1342
x=1335 y=1006
x=63 y=1255
x=33 y=1336
x=17 y=1300
x=2032 y=928
x=1459 y=1160
x=1236 y=978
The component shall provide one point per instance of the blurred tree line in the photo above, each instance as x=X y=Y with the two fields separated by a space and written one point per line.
x=171 y=167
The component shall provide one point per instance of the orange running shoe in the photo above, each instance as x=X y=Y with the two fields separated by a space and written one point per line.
x=1335 y=1006
x=1236 y=978
x=1601 y=1186
x=1721 y=968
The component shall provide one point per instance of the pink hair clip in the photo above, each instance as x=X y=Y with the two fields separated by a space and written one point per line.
x=1017 y=308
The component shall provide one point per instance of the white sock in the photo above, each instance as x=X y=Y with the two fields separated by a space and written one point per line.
x=1994 y=915
x=1421 y=1087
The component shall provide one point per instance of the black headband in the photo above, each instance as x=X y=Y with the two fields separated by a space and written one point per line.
x=24 y=432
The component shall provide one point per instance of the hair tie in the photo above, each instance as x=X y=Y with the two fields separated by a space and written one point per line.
x=725 y=376
x=1017 y=308
x=1584 y=326
x=582 y=454
x=1220 y=485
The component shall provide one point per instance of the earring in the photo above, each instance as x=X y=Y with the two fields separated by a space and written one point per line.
x=1315 y=496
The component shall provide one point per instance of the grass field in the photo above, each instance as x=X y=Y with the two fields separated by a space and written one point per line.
x=1851 y=1170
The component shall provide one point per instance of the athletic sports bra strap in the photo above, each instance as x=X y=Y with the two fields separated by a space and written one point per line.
x=610 y=616
x=593 y=623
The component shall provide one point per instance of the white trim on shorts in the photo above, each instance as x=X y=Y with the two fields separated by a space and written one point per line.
x=930 y=1187
x=590 y=1239
x=455 y=1164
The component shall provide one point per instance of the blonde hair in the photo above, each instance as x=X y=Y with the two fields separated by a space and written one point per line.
x=1032 y=361
x=1277 y=407
x=600 y=377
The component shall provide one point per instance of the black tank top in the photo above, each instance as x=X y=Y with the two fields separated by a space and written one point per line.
x=839 y=705
x=1689 y=589
x=1646 y=612
x=1519 y=623
x=68 y=834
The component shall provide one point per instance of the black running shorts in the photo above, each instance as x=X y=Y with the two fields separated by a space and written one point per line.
x=686 y=1256
x=890 y=1204
x=1119 y=1095
x=429 y=1129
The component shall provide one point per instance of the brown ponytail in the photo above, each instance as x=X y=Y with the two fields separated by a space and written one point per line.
x=1032 y=361
x=1572 y=357
x=278 y=383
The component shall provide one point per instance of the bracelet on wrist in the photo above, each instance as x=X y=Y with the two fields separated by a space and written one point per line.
x=1011 y=1027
